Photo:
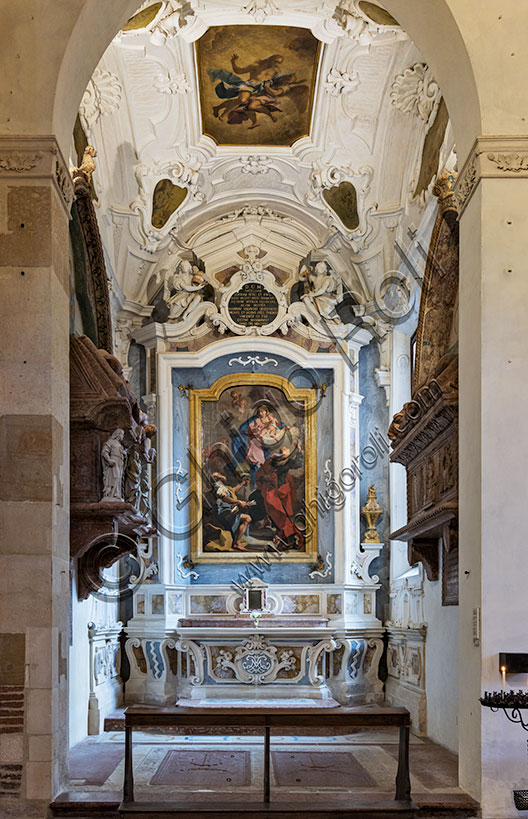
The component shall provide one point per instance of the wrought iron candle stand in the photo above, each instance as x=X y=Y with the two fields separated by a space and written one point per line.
x=502 y=701
x=517 y=702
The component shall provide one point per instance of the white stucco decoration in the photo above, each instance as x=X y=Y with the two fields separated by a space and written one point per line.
x=102 y=97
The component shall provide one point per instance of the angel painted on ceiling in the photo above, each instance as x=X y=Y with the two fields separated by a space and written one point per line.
x=261 y=93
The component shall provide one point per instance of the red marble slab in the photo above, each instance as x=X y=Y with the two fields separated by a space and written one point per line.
x=314 y=769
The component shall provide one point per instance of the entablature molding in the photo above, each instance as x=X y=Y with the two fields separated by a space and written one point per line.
x=27 y=159
x=491 y=157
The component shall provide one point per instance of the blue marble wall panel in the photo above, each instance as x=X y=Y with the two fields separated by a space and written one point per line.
x=200 y=378
x=374 y=460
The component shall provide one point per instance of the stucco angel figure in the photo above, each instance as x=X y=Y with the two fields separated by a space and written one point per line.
x=324 y=290
x=183 y=291
x=113 y=458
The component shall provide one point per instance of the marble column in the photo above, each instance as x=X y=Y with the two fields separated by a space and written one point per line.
x=492 y=193
x=35 y=198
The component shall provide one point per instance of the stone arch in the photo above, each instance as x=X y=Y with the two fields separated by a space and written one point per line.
x=438 y=34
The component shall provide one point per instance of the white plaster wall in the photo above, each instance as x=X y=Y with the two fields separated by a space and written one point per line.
x=84 y=612
x=441 y=667
x=79 y=678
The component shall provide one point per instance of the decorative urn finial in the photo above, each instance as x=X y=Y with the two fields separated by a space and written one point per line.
x=372 y=512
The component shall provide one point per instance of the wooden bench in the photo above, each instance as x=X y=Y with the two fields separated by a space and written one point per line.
x=370 y=716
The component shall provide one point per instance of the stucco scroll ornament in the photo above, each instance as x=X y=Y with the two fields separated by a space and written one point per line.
x=253 y=359
x=183 y=171
x=360 y=567
x=196 y=651
x=325 y=572
x=19 y=161
x=169 y=23
x=314 y=653
x=415 y=91
x=325 y=175
x=102 y=97
x=353 y=22
x=113 y=462
x=179 y=568
x=350 y=19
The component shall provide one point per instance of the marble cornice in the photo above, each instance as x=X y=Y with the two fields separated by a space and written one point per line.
x=30 y=158
x=491 y=157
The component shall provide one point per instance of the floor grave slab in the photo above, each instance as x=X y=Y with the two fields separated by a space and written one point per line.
x=204 y=768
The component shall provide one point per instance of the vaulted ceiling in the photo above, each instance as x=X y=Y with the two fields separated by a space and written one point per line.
x=366 y=121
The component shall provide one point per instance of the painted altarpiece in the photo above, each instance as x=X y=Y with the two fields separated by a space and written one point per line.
x=253 y=440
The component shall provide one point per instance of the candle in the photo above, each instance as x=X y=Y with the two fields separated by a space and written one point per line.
x=503 y=672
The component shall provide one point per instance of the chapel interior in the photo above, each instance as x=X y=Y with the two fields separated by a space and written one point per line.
x=250 y=253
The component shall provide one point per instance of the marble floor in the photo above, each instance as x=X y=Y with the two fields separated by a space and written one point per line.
x=230 y=767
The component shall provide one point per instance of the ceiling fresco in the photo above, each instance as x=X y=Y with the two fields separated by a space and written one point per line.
x=303 y=129
x=257 y=83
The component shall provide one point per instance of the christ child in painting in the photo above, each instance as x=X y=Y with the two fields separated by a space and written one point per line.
x=264 y=426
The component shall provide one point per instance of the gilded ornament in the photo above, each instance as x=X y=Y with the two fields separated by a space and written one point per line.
x=372 y=512
x=87 y=166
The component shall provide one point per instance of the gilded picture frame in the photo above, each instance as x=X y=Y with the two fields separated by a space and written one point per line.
x=289 y=504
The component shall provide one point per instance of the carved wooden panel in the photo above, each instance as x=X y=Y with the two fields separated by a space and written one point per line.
x=424 y=434
x=90 y=268
x=100 y=402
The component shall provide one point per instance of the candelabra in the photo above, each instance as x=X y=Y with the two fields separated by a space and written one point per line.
x=512 y=703
x=514 y=700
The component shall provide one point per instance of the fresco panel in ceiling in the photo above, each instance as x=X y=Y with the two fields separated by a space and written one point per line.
x=257 y=83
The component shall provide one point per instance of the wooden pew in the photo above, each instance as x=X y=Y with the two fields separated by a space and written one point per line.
x=369 y=716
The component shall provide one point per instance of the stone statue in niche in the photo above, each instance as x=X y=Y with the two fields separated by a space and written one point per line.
x=113 y=459
x=183 y=291
x=324 y=290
